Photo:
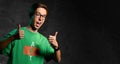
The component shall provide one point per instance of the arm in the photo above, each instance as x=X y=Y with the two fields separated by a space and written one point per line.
x=5 y=42
x=53 y=41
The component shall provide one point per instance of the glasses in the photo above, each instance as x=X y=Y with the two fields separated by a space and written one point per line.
x=40 y=15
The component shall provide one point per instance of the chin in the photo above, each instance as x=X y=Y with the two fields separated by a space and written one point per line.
x=37 y=28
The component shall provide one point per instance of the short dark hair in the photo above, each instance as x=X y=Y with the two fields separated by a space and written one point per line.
x=35 y=6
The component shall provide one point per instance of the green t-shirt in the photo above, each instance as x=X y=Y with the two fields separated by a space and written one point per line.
x=32 y=49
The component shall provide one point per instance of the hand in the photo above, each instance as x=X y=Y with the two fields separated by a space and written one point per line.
x=52 y=39
x=20 y=33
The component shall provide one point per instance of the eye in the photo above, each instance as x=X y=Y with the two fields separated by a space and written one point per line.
x=37 y=14
x=44 y=16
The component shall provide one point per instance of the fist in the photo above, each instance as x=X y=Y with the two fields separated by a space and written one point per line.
x=52 y=39
x=20 y=33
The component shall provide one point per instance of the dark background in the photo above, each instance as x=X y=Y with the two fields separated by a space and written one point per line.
x=88 y=30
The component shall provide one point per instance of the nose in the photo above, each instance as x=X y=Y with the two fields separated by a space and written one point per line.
x=40 y=18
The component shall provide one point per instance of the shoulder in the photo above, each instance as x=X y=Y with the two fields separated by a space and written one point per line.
x=14 y=31
x=23 y=28
x=42 y=36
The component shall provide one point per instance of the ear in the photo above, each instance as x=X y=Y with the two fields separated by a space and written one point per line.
x=31 y=19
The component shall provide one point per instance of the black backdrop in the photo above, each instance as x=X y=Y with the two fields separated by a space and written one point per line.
x=88 y=30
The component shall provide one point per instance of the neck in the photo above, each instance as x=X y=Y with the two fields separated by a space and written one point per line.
x=31 y=29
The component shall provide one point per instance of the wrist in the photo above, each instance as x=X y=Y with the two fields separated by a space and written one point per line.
x=56 y=48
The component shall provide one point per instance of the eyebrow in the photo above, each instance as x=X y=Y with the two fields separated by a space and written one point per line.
x=40 y=13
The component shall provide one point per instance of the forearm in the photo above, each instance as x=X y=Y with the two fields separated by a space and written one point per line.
x=58 y=55
x=4 y=43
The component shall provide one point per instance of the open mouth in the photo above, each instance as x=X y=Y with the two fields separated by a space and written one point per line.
x=38 y=24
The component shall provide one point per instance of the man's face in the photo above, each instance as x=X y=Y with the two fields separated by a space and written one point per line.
x=39 y=18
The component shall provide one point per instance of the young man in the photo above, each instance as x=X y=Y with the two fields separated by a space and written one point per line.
x=25 y=45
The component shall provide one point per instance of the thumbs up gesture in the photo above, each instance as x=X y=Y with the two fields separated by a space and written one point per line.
x=52 y=39
x=20 y=33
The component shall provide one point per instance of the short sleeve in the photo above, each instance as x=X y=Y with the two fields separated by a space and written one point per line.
x=49 y=52
x=6 y=51
x=50 y=49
